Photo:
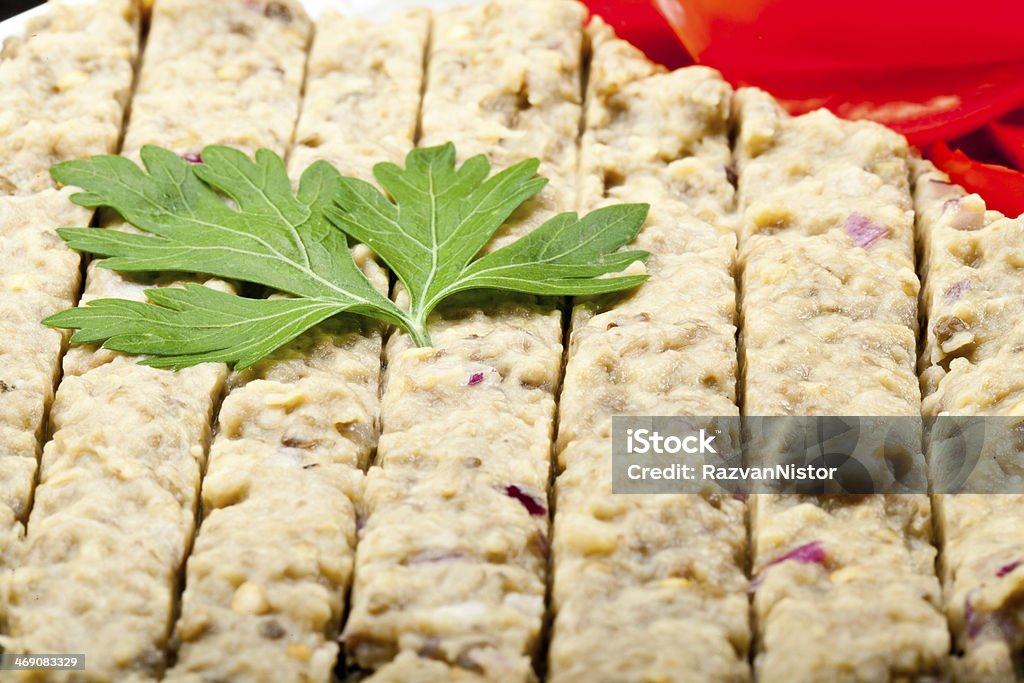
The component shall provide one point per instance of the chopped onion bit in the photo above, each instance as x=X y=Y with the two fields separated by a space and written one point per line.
x=532 y=504
x=543 y=544
x=971 y=619
x=864 y=231
x=957 y=290
x=1007 y=568
x=808 y=553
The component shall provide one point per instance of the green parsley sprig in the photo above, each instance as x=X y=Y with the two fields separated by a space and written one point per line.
x=429 y=229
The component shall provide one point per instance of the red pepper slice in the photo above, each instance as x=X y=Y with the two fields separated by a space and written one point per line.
x=640 y=23
x=785 y=37
x=924 y=105
x=1008 y=134
x=873 y=59
x=1001 y=187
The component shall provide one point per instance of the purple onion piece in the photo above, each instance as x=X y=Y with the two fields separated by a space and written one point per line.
x=1007 y=568
x=543 y=545
x=864 y=231
x=730 y=174
x=192 y=158
x=971 y=616
x=475 y=378
x=976 y=622
x=431 y=649
x=957 y=290
x=808 y=553
x=532 y=504
x=968 y=219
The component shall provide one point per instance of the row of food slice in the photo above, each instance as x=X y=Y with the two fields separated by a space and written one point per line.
x=828 y=327
x=120 y=475
x=63 y=95
x=448 y=543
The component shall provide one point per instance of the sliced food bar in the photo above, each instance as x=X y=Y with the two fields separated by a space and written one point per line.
x=267 y=579
x=115 y=508
x=63 y=90
x=651 y=587
x=844 y=586
x=39 y=276
x=970 y=367
x=364 y=83
x=450 y=567
x=246 y=57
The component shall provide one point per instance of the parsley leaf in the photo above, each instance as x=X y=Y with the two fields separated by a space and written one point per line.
x=442 y=216
x=195 y=324
x=429 y=229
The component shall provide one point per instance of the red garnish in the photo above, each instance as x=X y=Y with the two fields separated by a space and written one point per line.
x=864 y=231
x=639 y=22
x=1001 y=187
x=891 y=71
x=475 y=379
x=532 y=504
x=192 y=158
x=1007 y=568
x=1008 y=134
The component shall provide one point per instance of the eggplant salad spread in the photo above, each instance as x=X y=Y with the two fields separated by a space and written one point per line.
x=413 y=484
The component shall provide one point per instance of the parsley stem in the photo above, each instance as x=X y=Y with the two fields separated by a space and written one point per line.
x=419 y=335
x=416 y=326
